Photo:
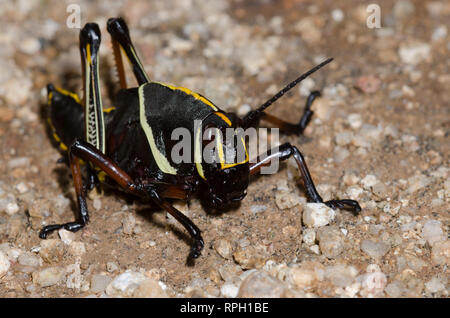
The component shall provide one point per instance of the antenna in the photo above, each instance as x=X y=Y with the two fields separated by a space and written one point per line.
x=254 y=114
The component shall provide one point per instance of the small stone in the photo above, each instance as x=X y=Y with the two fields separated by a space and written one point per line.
x=66 y=237
x=22 y=188
x=343 y=138
x=29 y=259
x=376 y=250
x=317 y=214
x=99 y=283
x=229 y=272
x=258 y=208
x=286 y=200
x=323 y=109
x=340 y=154
x=49 y=276
x=112 y=267
x=125 y=284
x=74 y=277
x=372 y=284
x=61 y=203
x=341 y=275
x=30 y=46
x=259 y=284
x=337 y=15
x=315 y=249
x=52 y=250
x=224 y=248
x=19 y=162
x=77 y=249
x=440 y=253
x=251 y=256
x=368 y=84
x=432 y=232
x=309 y=236
x=149 y=288
x=128 y=224
x=395 y=289
x=439 y=33
x=244 y=110
x=403 y=9
x=435 y=285
x=354 y=192
x=97 y=204
x=310 y=30
x=4 y=264
x=355 y=121
x=369 y=181
x=331 y=241
x=418 y=182
x=305 y=275
x=414 y=53
x=134 y=284
x=12 y=208
x=306 y=86
x=229 y=290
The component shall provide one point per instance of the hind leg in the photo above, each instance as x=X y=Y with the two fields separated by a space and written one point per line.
x=121 y=40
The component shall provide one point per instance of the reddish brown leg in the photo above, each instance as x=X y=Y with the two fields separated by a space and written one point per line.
x=289 y=128
x=83 y=150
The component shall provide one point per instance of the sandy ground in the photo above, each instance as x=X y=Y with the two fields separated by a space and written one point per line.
x=379 y=135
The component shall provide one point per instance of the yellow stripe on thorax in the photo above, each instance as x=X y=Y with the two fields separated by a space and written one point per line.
x=191 y=93
x=160 y=159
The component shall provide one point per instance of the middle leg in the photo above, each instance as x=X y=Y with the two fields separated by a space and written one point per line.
x=286 y=151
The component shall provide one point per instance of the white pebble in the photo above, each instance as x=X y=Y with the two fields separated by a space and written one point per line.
x=229 y=290
x=439 y=33
x=22 y=188
x=337 y=15
x=432 y=232
x=355 y=121
x=376 y=250
x=373 y=283
x=306 y=86
x=369 y=181
x=12 y=208
x=244 y=110
x=49 y=276
x=30 y=46
x=97 y=204
x=125 y=284
x=4 y=264
x=354 y=192
x=414 y=53
x=99 y=283
x=309 y=236
x=317 y=214
x=434 y=285
x=66 y=236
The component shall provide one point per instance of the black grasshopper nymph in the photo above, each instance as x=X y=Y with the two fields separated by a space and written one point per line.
x=129 y=145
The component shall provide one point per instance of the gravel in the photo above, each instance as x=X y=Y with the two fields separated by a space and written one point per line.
x=378 y=135
x=317 y=214
x=331 y=241
x=99 y=282
x=4 y=264
x=49 y=276
x=259 y=284
x=375 y=250
x=134 y=284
